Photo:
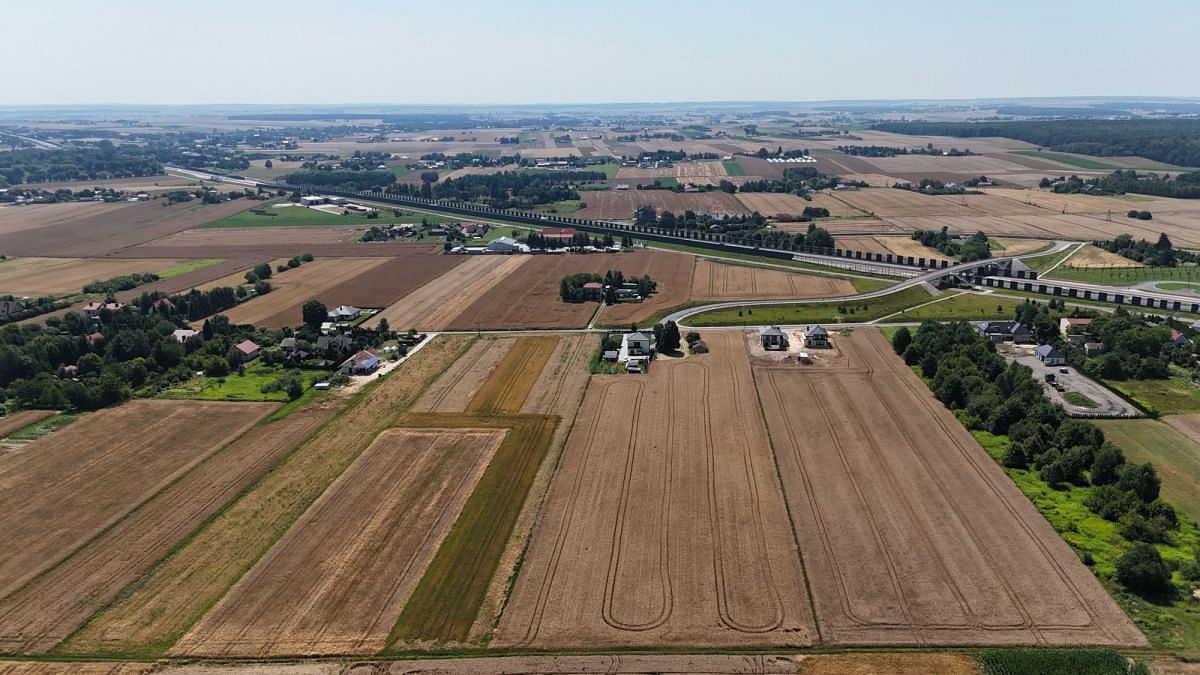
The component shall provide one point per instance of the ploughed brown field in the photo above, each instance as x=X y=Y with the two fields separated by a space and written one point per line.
x=362 y=282
x=110 y=230
x=911 y=533
x=665 y=524
x=620 y=204
x=15 y=219
x=338 y=580
x=720 y=281
x=55 y=276
x=434 y=305
x=60 y=491
x=528 y=296
x=44 y=612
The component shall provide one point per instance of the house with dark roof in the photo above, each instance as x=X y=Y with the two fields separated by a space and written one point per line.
x=335 y=343
x=816 y=337
x=364 y=362
x=772 y=338
x=1050 y=356
x=10 y=307
x=1004 y=331
x=1179 y=339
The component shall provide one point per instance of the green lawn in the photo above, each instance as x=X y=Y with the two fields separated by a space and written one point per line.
x=1165 y=397
x=561 y=208
x=610 y=169
x=1077 y=399
x=733 y=168
x=248 y=387
x=189 y=267
x=1070 y=159
x=967 y=306
x=1179 y=286
x=1168 y=626
x=399 y=170
x=1126 y=276
x=814 y=312
x=1174 y=455
x=667 y=181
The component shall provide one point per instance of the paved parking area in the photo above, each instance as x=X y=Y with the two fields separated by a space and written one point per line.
x=1108 y=404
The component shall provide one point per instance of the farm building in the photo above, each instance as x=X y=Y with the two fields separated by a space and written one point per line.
x=362 y=363
x=312 y=201
x=1066 y=323
x=1050 y=356
x=248 y=348
x=1004 y=331
x=561 y=235
x=645 y=214
x=593 y=290
x=637 y=344
x=344 y=313
x=506 y=245
x=772 y=338
x=816 y=337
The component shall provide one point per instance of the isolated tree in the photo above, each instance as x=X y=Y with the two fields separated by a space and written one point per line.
x=1142 y=570
x=668 y=341
x=314 y=313
x=902 y=339
x=384 y=326
x=263 y=270
x=269 y=164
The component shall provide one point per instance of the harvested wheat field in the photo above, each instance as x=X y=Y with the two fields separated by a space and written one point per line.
x=508 y=387
x=19 y=420
x=907 y=246
x=181 y=589
x=362 y=282
x=36 y=277
x=889 y=202
x=528 y=296
x=911 y=533
x=454 y=390
x=337 y=581
x=870 y=244
x=619 y=205
x=771 y=203
x=1023 y=246
x=720 y=281
x=665 y=524
x=65 y=488
x=1091 y=256
x=890 y=664
x=680 y=170
x=73 y=668
x=434 y=305
x=100 y=231
x=21 y=218
x=608 y=664
x=47 y=610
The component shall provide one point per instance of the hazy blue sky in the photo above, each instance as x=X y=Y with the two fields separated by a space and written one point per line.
x=530 y=51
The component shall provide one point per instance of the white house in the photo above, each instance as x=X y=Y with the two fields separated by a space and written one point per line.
x=637 y=344
x=506 y=245
x=184 y=334
x=344 y=313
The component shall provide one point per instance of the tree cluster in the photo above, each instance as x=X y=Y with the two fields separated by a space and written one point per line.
x=505 y=190
x=345 y=179
x=103 y=162
x=974 y=247
x=1162 y=253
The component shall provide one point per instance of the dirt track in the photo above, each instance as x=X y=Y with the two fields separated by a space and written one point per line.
x=719 y=281
x=63 y=489
x=911 y=534
x=665 y=524
x=337 y=581
x=44 y=612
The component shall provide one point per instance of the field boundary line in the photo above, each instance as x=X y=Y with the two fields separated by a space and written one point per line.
x=924 y=304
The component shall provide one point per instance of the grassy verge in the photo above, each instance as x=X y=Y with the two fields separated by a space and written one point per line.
x=449 y=596
x=43 y=427
x=150 y=616
x=275 y=215
x=1126 y=276
x=1080 y=302
x=733 y=168
x=235 y=387
x=970 y=307
x=564 y=207
x=190 y=266
x=1176 y=394
x=1077 y=399
x=1169 y=625
x=1176 y=457
x=1079 y=161
x=1042 y=263
x=814 y=312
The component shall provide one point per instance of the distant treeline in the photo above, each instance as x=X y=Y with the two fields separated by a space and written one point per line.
x=1182 y=186
x=99 y=163
x=353 y=180
x=506 y=190
x=1175 y=141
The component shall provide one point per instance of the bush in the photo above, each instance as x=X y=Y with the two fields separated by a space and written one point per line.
x=1142 y=570
x=1054 y=662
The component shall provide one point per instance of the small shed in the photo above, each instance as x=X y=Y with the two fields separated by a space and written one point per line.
x=699 y=347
